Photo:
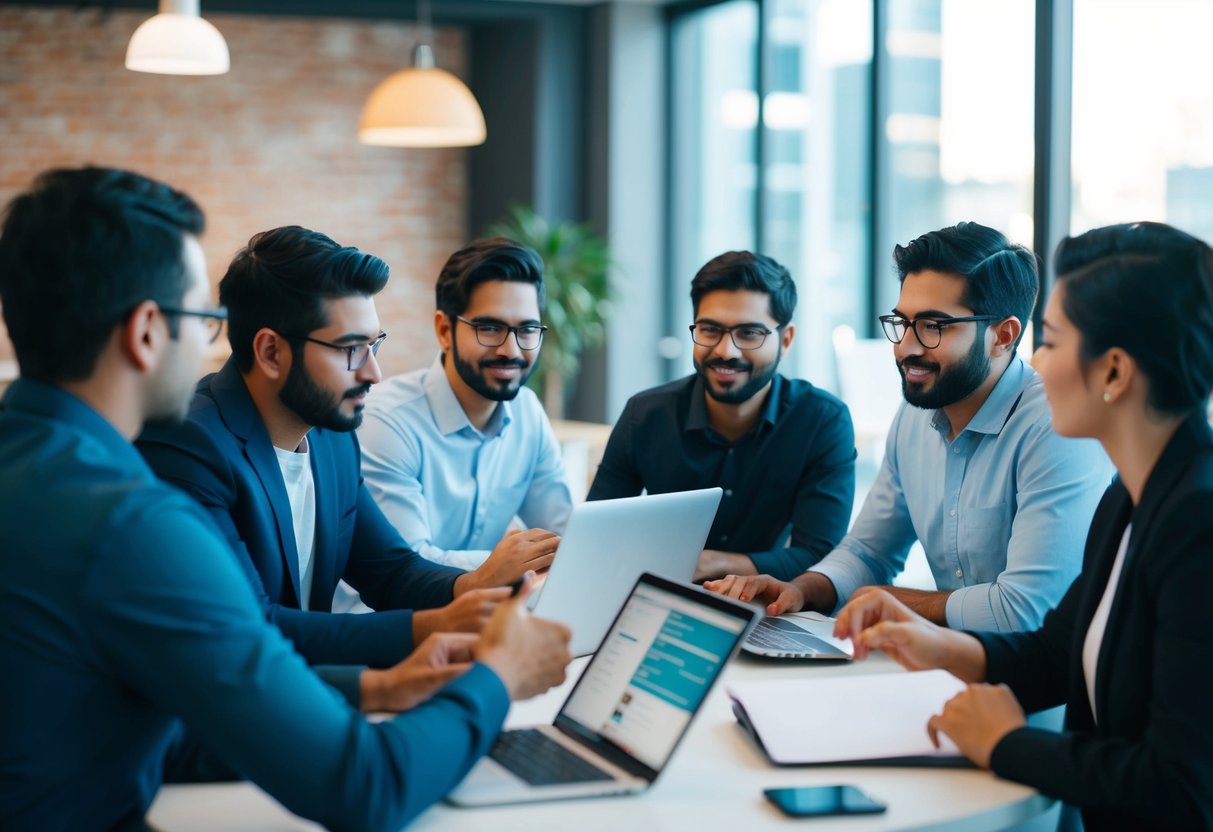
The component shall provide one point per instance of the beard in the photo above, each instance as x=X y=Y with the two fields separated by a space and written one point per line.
x=315 y=405
x=758 y=379
x=951 y=385
x=495 y=390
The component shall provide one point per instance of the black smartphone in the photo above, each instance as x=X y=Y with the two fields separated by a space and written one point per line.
x=820 y=801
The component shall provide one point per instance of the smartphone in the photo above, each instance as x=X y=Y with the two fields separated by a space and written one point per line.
x=820 y=801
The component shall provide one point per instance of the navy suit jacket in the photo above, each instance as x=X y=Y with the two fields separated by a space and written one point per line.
x=222 y=457
x=1146 y=762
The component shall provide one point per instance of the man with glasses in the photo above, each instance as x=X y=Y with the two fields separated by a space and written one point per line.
x=972 y=467
x=125 y=614
x=782 y=450
x=269 y=450
x=453 y=452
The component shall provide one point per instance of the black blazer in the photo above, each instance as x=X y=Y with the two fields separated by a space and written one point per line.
x=1147 y=763
x=223 y=458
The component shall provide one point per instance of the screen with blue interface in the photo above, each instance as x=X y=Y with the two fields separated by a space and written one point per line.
x=652 y=672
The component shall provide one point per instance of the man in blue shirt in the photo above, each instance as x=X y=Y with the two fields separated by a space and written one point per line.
x=124 y=610
x=453 y=452
x=269 y=450
x=972 y=466
x=782 y=450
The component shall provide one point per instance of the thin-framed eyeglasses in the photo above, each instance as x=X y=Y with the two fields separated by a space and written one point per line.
x=356 y=355
x=745 y=336
x=494 y=334
x=928 y=331
x=212 y=319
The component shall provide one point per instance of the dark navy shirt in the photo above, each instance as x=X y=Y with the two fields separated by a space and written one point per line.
x=792 y=475
x=122 y=611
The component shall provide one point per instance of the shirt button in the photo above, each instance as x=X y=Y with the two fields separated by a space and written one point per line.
x=960 y=573
x=952 y=513
x=956 y=450
x=728 y=492
x=730 y=451
x=724 y=538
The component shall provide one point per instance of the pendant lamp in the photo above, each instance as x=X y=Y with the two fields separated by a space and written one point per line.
x=422 y=106
x=177 y=41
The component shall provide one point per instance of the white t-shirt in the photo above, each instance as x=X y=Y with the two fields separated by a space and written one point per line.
x=301 y=492
x=1099 y=622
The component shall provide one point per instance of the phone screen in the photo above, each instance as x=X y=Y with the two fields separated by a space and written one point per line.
x=815 y=801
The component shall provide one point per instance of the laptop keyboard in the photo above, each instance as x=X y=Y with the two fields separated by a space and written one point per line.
x=774 y=634
x=541 y=761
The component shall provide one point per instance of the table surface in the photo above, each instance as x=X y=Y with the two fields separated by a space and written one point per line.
x=714 y=782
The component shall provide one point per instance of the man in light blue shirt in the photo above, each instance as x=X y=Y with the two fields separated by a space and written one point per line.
x=453 y=452
x=972 y=467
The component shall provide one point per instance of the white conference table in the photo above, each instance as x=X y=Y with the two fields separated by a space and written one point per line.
x=714 y=782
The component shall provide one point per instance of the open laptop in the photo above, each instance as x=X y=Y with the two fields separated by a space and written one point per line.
x=629 y=710
x=607 y=544
x=798 y=635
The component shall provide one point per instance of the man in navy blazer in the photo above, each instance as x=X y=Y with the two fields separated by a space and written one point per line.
x=269 y=450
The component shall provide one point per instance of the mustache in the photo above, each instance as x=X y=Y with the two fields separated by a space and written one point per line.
x=355 y=392
x=728 y=364
x=503 y=362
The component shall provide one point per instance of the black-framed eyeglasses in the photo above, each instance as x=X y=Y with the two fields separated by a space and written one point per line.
x=212 y=319
x=745 y=336
x=356 y=355
x=492 y=334
x=928 y=331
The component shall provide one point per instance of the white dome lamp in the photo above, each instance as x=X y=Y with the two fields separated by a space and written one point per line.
x=422 y=106
x=177 y=41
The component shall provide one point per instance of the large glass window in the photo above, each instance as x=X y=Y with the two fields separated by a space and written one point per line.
x=1143 y=114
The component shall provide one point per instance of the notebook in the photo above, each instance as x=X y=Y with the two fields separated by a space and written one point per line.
x=629 y=710
x=609 y=543
x=804 y=635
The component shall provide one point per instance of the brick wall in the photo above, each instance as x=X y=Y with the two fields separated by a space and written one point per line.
x=271 y=143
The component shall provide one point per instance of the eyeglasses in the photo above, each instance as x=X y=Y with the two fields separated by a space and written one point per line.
x=212 y=319
x=356 y=355
x=745 y=336
x=528 y=336
x=928 y=331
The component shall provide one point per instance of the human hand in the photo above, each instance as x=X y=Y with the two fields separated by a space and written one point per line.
x=440 y=658
x=468 y=613
x=976 y=719
x=779 y=596
x=868 y=607
x=528 y=550
x=714 y=563
x=528 y=653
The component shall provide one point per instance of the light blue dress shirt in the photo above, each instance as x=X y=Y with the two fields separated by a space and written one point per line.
x=452 y=490
x=1002 y=510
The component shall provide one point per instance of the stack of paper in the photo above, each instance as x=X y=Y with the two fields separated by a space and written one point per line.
x=878 y=719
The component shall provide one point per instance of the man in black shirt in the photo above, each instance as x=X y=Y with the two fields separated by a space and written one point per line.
x=782 y=450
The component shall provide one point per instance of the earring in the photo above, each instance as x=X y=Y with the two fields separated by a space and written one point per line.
x=1107 y=397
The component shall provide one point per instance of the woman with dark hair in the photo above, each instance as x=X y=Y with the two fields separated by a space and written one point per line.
x=1128 y=360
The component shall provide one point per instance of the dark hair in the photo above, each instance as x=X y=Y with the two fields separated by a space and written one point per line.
x=281 y=279
x=78 y=252
x=735 y=271
x=494 y=258
x=1148 y=289
x=1000 y=276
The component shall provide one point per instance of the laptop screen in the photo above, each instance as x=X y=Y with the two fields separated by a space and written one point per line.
x=653 y=670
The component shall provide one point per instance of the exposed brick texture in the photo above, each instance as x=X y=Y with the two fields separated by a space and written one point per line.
x=271 y=143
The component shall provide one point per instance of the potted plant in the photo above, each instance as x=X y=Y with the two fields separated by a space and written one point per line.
x=576 y=276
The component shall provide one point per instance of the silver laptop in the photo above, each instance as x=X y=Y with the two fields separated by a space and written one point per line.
x=629 y=710
x=800 y=635
x=609 y=543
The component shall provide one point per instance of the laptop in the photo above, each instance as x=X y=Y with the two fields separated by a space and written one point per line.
x=607 y=544
x=629 y=710
x=798 y=635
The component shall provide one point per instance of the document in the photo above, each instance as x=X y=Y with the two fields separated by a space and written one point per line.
x=878 y=719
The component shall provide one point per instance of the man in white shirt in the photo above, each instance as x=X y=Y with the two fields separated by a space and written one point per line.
x=453 y=452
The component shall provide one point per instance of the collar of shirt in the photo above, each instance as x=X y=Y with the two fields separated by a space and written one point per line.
x=993 y=414
x=50 y=402
x=697 y=413
x=448 y=412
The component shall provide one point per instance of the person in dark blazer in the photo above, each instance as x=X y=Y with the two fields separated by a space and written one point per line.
x=1128 y=360
x=269 y=450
